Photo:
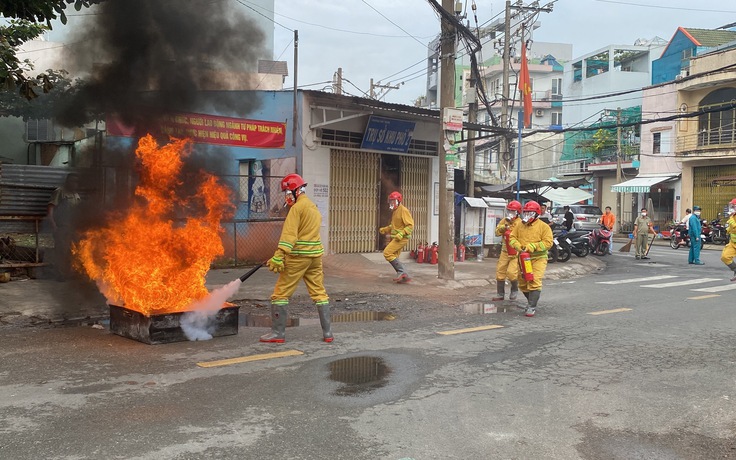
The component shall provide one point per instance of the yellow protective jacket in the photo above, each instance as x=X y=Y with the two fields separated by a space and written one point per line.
x=731 y=228
x=503 y=226
x=300 y=235
x=401 y=223
x=536 y=238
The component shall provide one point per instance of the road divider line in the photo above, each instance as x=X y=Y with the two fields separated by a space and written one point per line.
x=605 y=312
x=246 y=359
x=725 y=287
x=637 y=280
x=701 y=297
x=680 y=283
x=471 y=329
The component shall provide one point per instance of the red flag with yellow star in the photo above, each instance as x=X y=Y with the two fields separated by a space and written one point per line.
x=525 y=87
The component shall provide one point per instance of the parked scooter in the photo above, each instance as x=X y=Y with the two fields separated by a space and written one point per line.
x=679 y=237
x=599 y=241
x=578 y=242
x=560 y=248
x=718 y=231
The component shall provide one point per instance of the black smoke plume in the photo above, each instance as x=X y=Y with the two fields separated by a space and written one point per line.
x=147 y=58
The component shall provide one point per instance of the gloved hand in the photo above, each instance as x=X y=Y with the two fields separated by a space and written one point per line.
x=275 y=264
x=383 y=230
x=399 y=236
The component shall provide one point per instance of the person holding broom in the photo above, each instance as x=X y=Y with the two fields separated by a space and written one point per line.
x=643 y=226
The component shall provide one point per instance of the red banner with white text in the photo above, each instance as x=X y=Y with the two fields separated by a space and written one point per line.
x=212 y=129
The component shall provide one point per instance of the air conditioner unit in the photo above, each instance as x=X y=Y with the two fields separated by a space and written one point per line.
x=539 y=112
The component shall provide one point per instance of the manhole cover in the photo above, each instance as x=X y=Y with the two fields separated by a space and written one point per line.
x=361 y=374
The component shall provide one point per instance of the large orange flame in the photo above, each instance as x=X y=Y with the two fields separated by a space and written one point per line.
x=145 y=258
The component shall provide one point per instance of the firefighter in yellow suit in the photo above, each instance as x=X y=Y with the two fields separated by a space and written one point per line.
x=729 y=252
x=507 y=267
x=400 y=228
x=298 y=256
x=533 y=236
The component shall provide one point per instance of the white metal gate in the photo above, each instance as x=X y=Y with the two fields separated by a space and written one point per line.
x=354 y=199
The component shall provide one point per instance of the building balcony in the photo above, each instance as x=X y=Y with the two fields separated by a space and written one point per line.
x=706 y=143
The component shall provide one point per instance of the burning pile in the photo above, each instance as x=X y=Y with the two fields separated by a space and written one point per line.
x=145 y=258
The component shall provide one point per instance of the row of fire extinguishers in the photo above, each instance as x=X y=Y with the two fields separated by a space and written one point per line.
x=429 y=253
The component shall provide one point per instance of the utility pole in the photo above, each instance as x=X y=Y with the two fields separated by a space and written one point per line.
x=446 y=264
x=338 y=81
x=504 y=146
x=470 y=151
x=296 y=68
x=389 y=87
x=618 y=166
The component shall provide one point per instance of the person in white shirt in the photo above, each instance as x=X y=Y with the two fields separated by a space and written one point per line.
x=686 y=220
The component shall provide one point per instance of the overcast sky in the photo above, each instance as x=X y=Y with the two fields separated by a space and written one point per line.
x=355 y=35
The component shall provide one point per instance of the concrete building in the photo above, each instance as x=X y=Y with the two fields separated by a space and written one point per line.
x=619 y=71
x=706 y=144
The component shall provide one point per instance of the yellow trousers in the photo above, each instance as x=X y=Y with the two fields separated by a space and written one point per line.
x=393 y=249
x=728 y=253
x=295 y=269
x=538 y=268
x=507 y=267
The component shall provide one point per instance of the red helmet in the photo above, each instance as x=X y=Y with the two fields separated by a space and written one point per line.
x=514 y=206
x=733 y=202
x=530 y=212
x=292 y=182
x=732 y=206
x=395 y=196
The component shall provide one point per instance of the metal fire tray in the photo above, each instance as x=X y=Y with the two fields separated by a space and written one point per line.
x=166 y=328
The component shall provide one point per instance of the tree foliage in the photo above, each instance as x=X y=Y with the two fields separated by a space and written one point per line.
x=27 y=18
x=45 y=104
x=39 y=11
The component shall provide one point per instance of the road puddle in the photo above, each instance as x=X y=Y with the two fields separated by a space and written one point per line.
x=360 y=374
x=487 y=308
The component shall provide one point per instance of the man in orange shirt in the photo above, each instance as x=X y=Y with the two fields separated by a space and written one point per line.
x=608 y=219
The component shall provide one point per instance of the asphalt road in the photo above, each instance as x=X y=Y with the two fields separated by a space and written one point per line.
x=650 y=375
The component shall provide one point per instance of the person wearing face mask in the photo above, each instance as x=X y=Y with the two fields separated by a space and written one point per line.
x=400 y=229
x=642 y=228
x=729 y=252
x=507 y=267
x=534 y=237
x=298 y=256
x=694 y=229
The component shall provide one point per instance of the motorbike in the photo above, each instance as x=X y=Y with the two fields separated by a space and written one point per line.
x=599 y=241
x=578 y=242
x=679 y=237
x=560 y=250
x=718 y=231
x=706 y=232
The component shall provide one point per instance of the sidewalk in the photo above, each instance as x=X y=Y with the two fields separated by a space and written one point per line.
x=40 y=302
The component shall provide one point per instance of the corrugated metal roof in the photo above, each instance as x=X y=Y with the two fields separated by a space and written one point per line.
x=711 y=38
x=274 y=67
x=25 y=190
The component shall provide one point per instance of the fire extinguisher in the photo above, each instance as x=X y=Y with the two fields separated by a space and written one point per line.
x=420 y=254
x=509 y=249
x=434 y=252
x=525 y=260
x=428 y=253
x=461 y=253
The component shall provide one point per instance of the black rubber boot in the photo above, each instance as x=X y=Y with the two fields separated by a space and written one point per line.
x=402 y=277
x=732 y=266
x=531 y=309
x=324 y=321
x=500 y=290
x=278 y=325
x=514 y=290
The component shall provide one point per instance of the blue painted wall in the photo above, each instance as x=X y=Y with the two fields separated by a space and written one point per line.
x=667 y=67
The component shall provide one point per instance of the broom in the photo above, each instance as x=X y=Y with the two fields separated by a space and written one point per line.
x=626 y=247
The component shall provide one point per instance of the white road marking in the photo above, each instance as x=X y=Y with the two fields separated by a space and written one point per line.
x=681 y=283
x=636 y=280
x=607 y=312
x=725 y=287
x=703 y=297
